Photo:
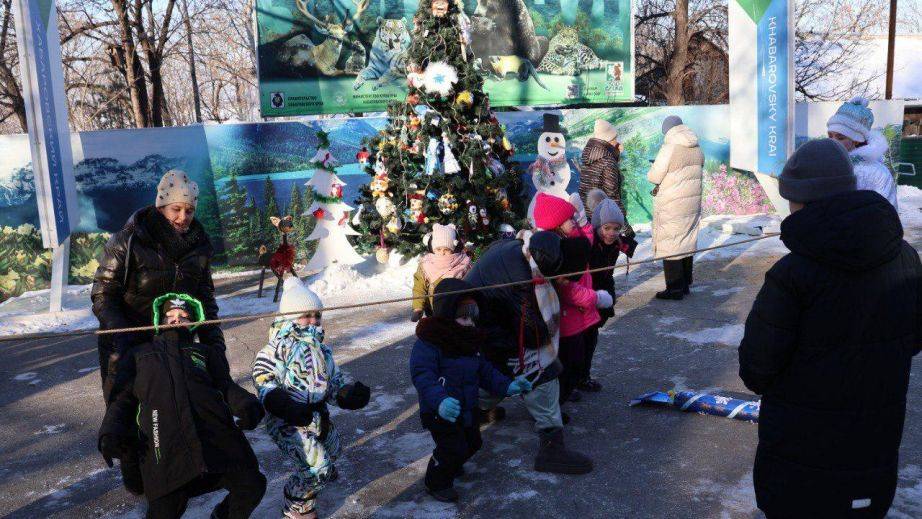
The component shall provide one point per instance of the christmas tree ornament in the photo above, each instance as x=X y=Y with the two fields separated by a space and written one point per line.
x=417 y=213
x=506 y=231
x=448 y=204
x=472 y=215
x=433 y=163
x=449 y=163
x=432 y=194
x=439 y=8
x=382 y=254
x=484 y=217
x=506 y=144
x=385 y=206
x=465 y=99
x=502 y=197
x=357 y=218
x=332 y=215
x=464 y=31
x=394 y=225
x=439 y=78
x=495 y=166
x=414 y=122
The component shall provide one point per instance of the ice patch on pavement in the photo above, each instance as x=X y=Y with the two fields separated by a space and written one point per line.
x=23 y=377
x=727 y=291
x=425 y=509
x=407 y=448
x=735 y=499
x=669 y=320
x=731 y=335
x=51 y=429
x=87 y=370
x=907 y=504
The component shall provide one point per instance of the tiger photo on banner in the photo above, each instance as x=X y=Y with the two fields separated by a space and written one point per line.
x=347 y=56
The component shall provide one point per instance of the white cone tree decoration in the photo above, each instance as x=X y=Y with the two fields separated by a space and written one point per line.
x=331 y=213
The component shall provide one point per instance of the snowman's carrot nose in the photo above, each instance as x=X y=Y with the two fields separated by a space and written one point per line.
x=555 y=145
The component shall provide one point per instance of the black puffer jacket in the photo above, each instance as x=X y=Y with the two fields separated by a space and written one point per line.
x=505 y=309
x=178 y=398
x=158 y=263
x=602 y=255
x=829 y=344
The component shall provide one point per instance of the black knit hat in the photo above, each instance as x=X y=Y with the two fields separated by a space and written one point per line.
x=544 y=248
x=575 y=253
x=818 y=169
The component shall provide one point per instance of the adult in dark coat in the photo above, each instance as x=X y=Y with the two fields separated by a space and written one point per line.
x=829 y=344
x=174 y=402
x=525 y=320
x=162 y=248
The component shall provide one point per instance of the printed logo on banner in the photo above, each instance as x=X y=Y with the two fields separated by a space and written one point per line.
x=614 y=82
x=277 y=99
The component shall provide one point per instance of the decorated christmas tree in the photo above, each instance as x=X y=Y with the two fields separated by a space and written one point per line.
x=443 y=156
x=331 y=214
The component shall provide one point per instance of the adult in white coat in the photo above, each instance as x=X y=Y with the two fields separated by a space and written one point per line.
x=851 y=126
x=676 y=173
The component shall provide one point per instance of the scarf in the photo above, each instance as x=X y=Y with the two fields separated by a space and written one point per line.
x=437 y=267
x=175 y=245
x=452 y=339
x=545 y=166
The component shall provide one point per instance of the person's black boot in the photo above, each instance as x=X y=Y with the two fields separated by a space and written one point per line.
x=493 y=415
x=575 y=396
x=671 y=295
x=446 y=495
x=554 y=457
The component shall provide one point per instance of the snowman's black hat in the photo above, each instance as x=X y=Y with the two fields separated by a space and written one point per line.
x=552 y=124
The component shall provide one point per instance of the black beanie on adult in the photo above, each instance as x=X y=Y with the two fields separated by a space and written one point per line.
x=818 y=169
x=544 y=248
x=575 y=253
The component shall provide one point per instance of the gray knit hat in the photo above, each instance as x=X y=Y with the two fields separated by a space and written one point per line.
x=818 y=169
x=671 y=122
x=607 y=211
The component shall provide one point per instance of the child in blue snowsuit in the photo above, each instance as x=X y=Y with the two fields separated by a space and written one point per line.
x=296 y=377
x=448 y=372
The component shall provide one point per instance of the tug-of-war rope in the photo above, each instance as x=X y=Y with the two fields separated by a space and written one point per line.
x=253 y=317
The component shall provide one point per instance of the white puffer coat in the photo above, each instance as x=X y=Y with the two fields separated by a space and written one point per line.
x=677 y=206
x=872 y=173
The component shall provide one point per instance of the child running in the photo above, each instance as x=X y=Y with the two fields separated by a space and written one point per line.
x=296 y=378
x=447 y=371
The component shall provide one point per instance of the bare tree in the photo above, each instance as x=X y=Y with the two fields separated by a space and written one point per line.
x=12 y=105
x=681 y=50
x=832 y=45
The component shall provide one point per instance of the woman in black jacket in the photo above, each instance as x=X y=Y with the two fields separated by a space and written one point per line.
x=162 y=248
x=829 y=345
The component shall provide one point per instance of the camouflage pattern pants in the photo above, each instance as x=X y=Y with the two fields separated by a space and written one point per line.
x=314 y=458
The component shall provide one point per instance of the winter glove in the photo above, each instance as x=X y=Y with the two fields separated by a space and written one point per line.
x=603 y=299
x=353 y=396
x=577 y=202
x=450 y=409
x=280 y=404
x=416 y=315
x=112 y=447
x=519 y=386
x=245 y=406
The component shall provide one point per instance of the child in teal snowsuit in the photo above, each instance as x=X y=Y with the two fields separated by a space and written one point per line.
x=296 y=376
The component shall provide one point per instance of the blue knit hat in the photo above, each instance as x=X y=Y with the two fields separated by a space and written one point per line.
x=853 y=119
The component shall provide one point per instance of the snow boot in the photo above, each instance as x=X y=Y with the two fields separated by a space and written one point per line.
x=446 y=495
x=493 y=415
x=554 y=457
x=671 y=295
x=590 y=385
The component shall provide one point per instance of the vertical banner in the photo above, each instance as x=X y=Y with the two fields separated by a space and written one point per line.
x=46 y=114
x=762 y=88
x=339 y=56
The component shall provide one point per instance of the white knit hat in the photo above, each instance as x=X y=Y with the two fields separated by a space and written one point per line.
x=176 y=187
x=853 y=119
x=604 y=131
x=444 y=236
x=296 y=297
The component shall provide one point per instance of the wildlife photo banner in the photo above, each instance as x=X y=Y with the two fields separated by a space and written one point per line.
x=342 y=56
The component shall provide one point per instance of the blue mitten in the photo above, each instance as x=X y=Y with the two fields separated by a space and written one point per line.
x=519 y=386
x=450 y=409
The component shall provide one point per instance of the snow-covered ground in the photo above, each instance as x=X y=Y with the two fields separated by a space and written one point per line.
x=370 y=281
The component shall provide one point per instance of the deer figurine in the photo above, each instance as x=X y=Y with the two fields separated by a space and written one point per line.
x=280 y=261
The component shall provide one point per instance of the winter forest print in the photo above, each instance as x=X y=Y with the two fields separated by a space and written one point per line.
x=248 y=173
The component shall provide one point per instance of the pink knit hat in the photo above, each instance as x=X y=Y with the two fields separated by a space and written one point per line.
x=551 y=212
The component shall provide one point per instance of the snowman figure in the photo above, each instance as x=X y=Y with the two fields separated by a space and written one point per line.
x=550 y=172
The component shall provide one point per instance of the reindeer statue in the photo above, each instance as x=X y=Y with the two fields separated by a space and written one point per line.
x=280 y=261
